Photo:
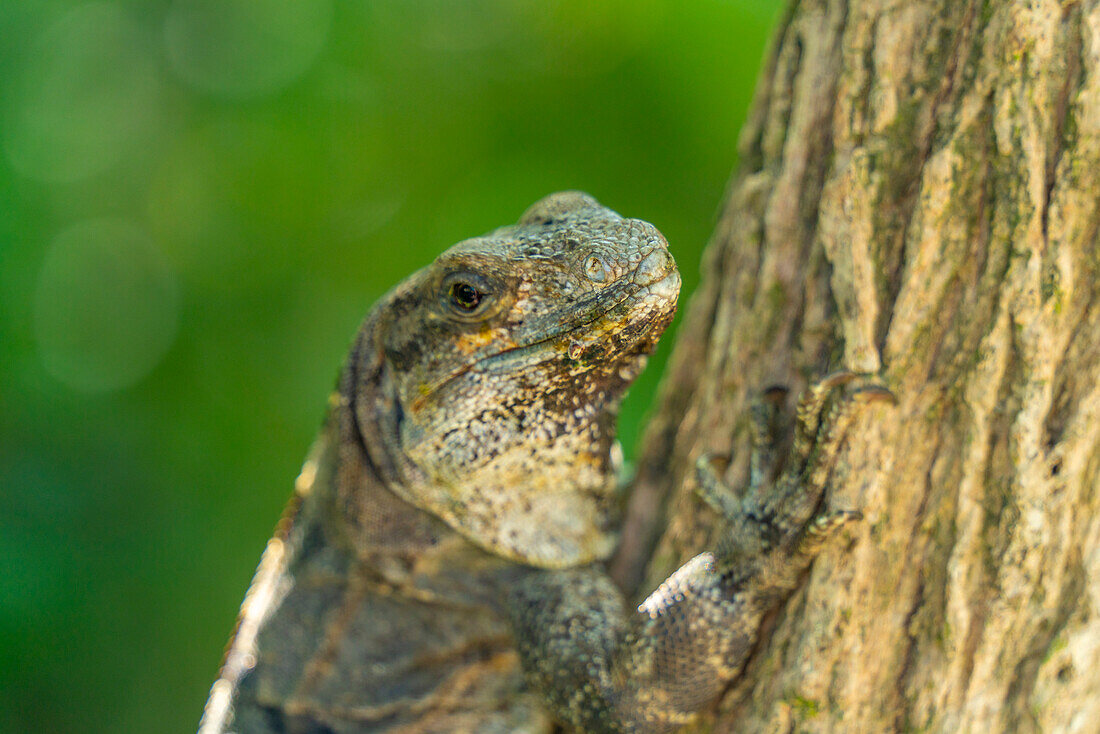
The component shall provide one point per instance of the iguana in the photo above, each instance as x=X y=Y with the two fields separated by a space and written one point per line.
x=440 y=568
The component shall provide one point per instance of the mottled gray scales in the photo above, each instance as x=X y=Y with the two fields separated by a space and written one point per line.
x=441 y=568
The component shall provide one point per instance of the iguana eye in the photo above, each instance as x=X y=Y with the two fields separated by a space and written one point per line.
x=466 y=295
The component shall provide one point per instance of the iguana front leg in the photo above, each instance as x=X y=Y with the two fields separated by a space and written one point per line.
x=604 y=669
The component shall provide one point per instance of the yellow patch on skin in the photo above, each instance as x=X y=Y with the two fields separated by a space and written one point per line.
x=470 y=343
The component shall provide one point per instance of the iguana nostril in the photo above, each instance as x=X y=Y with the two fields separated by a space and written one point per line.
x=596 y=269
x=656 y=265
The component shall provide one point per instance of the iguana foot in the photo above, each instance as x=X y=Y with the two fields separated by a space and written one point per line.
x=825 y=414
x=785 y=511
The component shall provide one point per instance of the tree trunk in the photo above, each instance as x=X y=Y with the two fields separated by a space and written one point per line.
x=919 y=196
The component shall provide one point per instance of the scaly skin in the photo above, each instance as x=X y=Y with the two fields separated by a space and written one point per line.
x=464 y=448
x=452 y=521
x=655 y=668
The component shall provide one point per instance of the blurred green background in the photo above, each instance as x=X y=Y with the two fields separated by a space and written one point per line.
x=200 y=199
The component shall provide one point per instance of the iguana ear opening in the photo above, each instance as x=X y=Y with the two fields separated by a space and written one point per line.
x=362 y=405
x=361 y=373
x=366 y=419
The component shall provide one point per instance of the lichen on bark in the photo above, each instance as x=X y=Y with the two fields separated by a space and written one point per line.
x=919 y=195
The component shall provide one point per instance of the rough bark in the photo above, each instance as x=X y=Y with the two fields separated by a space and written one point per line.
x=919 y=195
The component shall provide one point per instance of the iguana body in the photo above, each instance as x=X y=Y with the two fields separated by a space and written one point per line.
x=398 y=635
x=441 y=570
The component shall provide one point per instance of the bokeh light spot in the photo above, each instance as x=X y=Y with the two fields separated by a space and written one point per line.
x=86 y=94
x=106 y=306
x=243 y=48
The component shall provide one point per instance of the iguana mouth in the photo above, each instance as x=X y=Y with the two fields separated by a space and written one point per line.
x=626 y=293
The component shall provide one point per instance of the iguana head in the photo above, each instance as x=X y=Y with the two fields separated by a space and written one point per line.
x=498 y=371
